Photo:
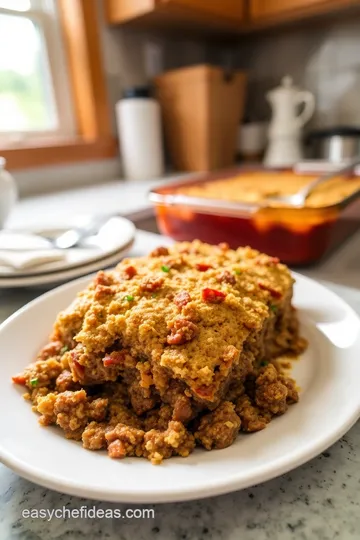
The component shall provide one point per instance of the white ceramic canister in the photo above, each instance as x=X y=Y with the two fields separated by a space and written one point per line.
x=8 y=193
x=291 y=109
x=252 y=140
x=138 y=119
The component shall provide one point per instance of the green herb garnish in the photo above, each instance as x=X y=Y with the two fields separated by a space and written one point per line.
x=264 y=363
x=273 y=308
x=154 y=295
x=64 y=349
x=34 y=382
x=129 y=298
x=237 y=272
x=165 y=268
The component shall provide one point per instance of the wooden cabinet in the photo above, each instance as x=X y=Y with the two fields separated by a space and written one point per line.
x=212 y=15
x=123 y=11
x=278 y=10
x=218 y=16
x=233 y=10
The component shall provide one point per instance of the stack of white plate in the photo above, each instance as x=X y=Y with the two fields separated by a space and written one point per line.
x=28 y=259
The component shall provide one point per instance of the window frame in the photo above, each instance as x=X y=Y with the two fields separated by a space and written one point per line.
x=55 y=65
x=94 y=139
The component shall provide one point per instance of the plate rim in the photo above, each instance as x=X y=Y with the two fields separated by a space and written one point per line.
x=281 y=466
x=71 y=274
x=77 y=265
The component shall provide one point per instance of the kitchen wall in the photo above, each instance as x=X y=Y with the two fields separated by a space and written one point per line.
x=130 y=59
x=322 y=58
x=133 y=57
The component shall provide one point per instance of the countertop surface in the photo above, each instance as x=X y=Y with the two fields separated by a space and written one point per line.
x=125 y=198
x=318 y=501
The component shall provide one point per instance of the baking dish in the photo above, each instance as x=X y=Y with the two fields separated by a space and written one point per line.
x=298 y=236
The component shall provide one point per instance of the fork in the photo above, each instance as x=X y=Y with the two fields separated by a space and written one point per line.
x=65 y=240
x=72 y=237
x=298 y=199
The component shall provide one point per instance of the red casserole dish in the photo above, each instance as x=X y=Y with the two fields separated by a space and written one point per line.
x=229 y=207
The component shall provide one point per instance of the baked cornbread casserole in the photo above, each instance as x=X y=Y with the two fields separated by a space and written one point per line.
x=170 y=351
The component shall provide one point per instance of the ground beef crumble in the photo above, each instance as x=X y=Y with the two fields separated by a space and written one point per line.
x=142 y=399
x=175 y=440
x=219 y=428
x=226 y=277
x=160 y=251
x=120 y=414
x=158 y=418
x=270 y=393
x=93 y=436
x=151 y=284
x=40 y=373
x=182 y=298
x=182 y=331
x=50 y=350
x=252 y=418
x=65 y=382
x=72 y=411
x=125 y=441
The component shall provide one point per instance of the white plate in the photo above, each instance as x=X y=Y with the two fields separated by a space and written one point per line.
x=328 y=374
x=112 y=237
x=59 y=277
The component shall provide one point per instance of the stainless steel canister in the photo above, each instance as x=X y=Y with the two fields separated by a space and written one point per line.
x=336 y=144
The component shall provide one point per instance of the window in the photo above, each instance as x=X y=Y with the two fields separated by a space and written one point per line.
x=54 y=103
x=35 y=96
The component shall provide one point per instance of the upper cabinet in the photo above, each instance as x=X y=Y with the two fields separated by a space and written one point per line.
x=279 y=10
x=214 y=16
x=211 y=15
x=230 y=10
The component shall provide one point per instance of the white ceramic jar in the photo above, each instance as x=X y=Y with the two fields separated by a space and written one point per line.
x=138 y=119
x=252 y=140
x=8 y=193
x=285 y=130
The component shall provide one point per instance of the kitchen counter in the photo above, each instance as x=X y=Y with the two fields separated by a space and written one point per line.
x=318 y=501
x=125 y=198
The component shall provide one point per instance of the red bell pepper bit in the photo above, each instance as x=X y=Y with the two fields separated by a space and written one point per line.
x=202 y=267
x=267 y=287
x=19 y=379
x=113 y=359
x=213 y=296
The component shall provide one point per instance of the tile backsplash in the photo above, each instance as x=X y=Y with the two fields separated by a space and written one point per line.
x=126 y=56
x=323 y=59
